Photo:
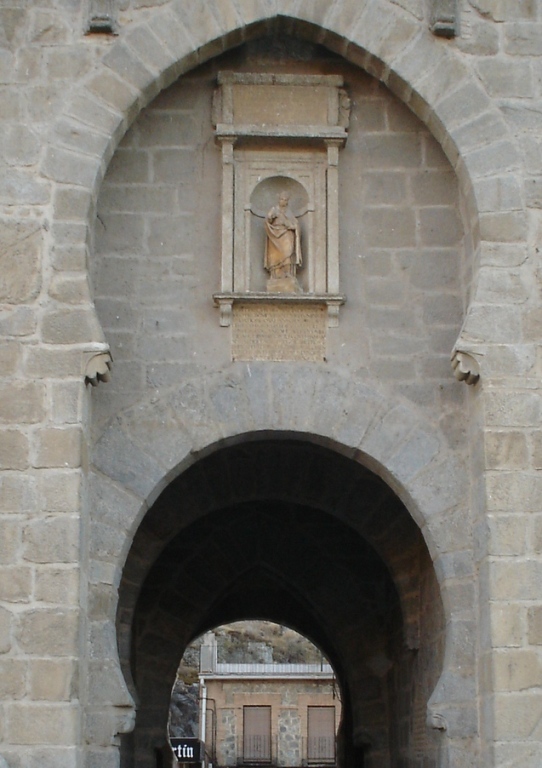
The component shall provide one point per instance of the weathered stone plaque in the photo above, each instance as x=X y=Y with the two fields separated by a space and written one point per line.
x=276 y=332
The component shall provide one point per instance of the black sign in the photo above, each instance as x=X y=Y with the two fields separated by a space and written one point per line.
x=187 y=750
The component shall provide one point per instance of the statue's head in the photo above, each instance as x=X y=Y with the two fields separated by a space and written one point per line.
x=284 y=199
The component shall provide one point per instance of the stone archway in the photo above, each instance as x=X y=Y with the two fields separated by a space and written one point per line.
x=380 y=431
x=135 y=473
x=293 y=532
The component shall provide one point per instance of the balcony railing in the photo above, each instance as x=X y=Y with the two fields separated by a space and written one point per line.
x=272 y=670
x=211 y=667
x=257 y=749
x=320 y=750
x=268 y=750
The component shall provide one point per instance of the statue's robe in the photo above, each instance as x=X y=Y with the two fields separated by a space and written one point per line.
x=283 y=247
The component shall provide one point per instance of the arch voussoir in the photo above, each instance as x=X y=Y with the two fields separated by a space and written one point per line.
x=284 y=400
x=119 y=457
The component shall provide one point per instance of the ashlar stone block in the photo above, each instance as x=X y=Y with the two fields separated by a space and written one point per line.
x=70 y=289
x=48 y=632
x=71 y=326
x=534 y=625
x=15 y=584
x=523 y=38
x=10 y=356
x=517 y=716
x=17 y=492
x=52 y=679
x=128 y=66
x=5 y=630
x=57 y=447
x=21 y=402
x=20 y=260
x=506 y=450
x=59 y=491
x=13 y=449
x=507 y=78
x=51 y=724
x=12 y=679
x=57 y=585
x=69 y=167
x=10 y=539
x=21 y=145
x=52 y=540
x=59 y=757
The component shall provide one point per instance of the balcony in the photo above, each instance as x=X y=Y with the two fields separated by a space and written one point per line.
x=265 y=750
x=257 y=749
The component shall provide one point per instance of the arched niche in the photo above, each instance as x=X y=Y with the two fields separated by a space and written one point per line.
x=263 y=197
x=155 y=52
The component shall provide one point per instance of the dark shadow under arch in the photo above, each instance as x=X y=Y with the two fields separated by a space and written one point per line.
x=293 y=533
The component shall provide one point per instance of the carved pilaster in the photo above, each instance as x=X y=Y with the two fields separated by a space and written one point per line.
x=444 y=18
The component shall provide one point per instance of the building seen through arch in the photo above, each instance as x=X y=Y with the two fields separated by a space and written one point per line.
x=264 y=696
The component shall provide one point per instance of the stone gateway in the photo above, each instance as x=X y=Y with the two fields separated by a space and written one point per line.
x=355 y=454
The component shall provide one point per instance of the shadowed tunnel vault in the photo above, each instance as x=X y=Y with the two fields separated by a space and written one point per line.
x=297 y=534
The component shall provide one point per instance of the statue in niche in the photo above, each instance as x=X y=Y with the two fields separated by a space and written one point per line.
x=283 y=247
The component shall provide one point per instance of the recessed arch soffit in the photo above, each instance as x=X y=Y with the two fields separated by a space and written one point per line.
x=387 y=41
x=279 y=547
x=279 y=572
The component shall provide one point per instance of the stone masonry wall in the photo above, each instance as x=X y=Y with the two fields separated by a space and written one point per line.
x=157 y=240
x=66 y=100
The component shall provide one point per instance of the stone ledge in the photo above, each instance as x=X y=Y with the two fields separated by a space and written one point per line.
x=225 y=302
x=231 y=131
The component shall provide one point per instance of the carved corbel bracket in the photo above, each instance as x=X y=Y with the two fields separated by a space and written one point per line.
x=98 y=367
x=465 y=367
x=102 y=17
x=444 y=18
x=436 y=721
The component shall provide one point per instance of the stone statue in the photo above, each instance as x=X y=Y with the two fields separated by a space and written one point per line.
x=283 y=247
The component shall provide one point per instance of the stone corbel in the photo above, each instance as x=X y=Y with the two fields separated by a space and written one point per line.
x=465 y=367
x=444 y=18
x=98 y=367
x=102 y=17
x=436 y=721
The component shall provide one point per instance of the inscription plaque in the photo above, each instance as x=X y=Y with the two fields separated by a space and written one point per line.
x=276 y=332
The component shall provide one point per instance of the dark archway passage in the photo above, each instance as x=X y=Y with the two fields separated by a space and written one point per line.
x=295 y=533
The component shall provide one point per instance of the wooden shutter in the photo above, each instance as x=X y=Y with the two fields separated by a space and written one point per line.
x=321 y=734
x=257 y=734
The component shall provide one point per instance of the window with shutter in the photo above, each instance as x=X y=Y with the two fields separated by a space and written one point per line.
x=321 y=734
x=257 y=734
